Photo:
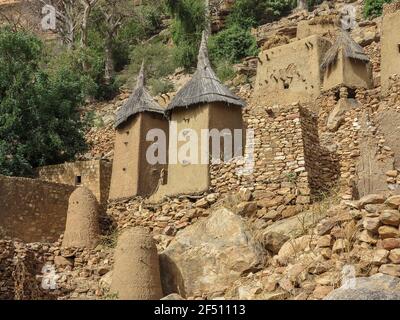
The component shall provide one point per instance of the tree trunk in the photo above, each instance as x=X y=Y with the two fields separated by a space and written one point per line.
x=84 y=35
x=70 y=34
x=109 y=63
x=302 y=5
x=84 y=26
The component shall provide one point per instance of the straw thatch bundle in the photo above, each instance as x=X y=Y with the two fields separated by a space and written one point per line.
x=139 y=101
x=204 y=87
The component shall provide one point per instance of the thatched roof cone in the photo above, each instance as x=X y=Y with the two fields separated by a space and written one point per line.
x=139 y=101
x=351 y=50
x=204 y=87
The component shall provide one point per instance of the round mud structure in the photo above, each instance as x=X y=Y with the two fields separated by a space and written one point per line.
x=82 y=227
x=136 y=274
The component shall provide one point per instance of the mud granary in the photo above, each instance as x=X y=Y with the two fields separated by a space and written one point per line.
x=204 y=103
x=132 y=173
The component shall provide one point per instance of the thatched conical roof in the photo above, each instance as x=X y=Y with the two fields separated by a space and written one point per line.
x=351 y=50
x=139 y=101
x=204 y=87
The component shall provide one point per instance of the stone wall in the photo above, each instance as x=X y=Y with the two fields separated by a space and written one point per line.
x=366 y=140
x=19 y=266
x=288 y=157
x=33 y=210
x=94 y=175
x=39 y=271
x=321 y=164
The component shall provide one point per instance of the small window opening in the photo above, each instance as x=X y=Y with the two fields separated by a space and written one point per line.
x=398 y=47
x=78 y=180
x=285 y=85
x=351 y=93
x=127 y=133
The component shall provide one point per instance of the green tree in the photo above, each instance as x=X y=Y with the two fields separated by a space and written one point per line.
x=232 y=44
x=251 y=13
x=40 y=122
x=188 y=25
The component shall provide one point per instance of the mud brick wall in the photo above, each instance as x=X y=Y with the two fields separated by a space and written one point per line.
x=94 y=175
x=33 y=210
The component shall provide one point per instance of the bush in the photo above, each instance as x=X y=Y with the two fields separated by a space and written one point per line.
x=159 y=86
x=232 y=44
x=224 y=70
x=373 y=8
x=40 y=123
x=155 y=68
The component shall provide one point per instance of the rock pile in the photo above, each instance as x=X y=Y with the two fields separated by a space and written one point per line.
x=356 y=239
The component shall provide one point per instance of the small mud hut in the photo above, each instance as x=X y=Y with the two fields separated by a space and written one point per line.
x=346 y=64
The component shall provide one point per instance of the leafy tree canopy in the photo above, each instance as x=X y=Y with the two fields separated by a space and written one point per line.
x=39 y=119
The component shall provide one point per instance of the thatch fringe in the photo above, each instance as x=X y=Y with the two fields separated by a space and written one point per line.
x=204 y=87
x=139 y=101
x=351 y=50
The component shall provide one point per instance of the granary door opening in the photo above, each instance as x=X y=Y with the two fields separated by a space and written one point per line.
x=78 y=180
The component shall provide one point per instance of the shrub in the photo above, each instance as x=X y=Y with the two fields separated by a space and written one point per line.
x=224 y=70
x=373 y=8
x=233 y=44
x=159 y=86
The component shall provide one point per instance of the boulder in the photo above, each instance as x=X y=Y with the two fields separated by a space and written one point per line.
x=173 y=296
x=371 y=224
x=210 y=255
x=293 y=247
x=394 y=256
x=390 y=269
x=388 y=232
x=390 y=217
x=393 y=201
x=337 y=117
x=380 y=256
x=281 y=231
x=376 y=287
x=371 y=199
x=391 y=243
